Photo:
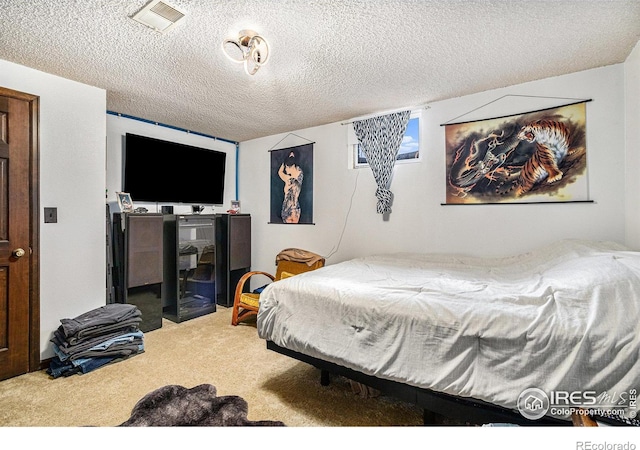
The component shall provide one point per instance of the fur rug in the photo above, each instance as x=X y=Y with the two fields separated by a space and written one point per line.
x=175 y=405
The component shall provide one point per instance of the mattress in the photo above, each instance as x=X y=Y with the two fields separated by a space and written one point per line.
x=564 y=317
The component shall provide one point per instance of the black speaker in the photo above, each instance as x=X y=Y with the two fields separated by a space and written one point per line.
x=144 y=249
x=239 y=241
x=138 y=264
x=233 y=254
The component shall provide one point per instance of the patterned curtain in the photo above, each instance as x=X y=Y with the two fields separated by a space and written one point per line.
x=380 y=138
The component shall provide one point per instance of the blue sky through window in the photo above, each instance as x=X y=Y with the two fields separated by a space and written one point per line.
x=411 y=141
x=410 y=147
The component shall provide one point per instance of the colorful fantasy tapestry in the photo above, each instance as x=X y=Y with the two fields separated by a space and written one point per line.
x=533 y=157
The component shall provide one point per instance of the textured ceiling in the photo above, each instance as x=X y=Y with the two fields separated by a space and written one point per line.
x=330 y=60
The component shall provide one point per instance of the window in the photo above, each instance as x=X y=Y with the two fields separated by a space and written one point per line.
x=409 y=149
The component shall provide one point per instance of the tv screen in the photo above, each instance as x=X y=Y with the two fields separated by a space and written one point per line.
x=167 y=172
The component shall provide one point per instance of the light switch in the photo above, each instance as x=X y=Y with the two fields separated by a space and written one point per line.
x=51 y=215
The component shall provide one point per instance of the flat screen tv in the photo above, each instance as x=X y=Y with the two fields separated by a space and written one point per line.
x=167 y=172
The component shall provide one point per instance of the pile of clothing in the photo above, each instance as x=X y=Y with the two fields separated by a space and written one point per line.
x=98 y=337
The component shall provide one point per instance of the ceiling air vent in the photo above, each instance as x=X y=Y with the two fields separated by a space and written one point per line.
x=159 y=15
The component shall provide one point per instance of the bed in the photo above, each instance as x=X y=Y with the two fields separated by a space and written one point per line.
x=465 y=336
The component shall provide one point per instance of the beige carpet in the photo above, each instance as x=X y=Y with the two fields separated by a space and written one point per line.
x=203 y=350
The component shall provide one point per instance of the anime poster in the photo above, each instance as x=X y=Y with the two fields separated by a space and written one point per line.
x=292 y=185
x=539 y=156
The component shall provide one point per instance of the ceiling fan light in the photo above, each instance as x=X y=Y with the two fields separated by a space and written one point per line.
x=259 y=51
x=233 y=50
x=250 y=67
x=249 y=48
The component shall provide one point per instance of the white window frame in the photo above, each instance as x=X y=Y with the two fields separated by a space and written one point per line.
x=354 y=144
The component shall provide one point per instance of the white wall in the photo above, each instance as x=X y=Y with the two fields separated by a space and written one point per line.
x=418 y=222
x=632 y=137
x=72 y=178
x=118 y=126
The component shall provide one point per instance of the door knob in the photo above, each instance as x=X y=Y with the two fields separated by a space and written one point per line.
x=18 y=253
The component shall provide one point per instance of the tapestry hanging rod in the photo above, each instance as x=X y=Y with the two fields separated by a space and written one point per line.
x=289 y=134
x=577 y=101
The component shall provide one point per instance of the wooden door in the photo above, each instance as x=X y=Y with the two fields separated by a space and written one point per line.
x=19 y=312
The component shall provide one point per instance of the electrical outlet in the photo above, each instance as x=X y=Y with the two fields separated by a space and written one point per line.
x=51 y=215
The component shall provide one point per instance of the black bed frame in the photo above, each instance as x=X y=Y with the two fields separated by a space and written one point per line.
x=438 y=408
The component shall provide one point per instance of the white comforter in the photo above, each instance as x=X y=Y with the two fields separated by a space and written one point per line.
x=564 y=317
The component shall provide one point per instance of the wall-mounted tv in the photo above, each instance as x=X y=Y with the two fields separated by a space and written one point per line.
x=167 y=172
